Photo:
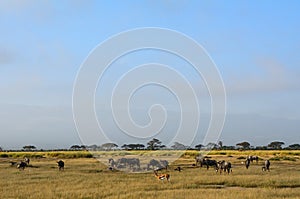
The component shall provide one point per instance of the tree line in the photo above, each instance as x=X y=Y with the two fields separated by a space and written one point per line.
x=156 y=144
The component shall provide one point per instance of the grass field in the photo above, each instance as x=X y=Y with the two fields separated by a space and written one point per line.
x=85 y=177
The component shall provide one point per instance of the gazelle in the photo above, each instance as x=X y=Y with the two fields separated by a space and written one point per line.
x=162 y=176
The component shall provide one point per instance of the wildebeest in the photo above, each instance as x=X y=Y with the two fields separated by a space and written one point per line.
x=251 y=158
x=247 y=163
x=61 y=165
x=224 y=166
x=200 y=160
x=21 y=165
x=267 y=166
x=208 y=163
x=27 y=160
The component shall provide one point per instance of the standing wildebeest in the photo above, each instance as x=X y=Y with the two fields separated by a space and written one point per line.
x=251 y=158
x=61 y=165
x=200 y=160
x=209 y=163
x=224 y=166
x=27 y=160
x=21 y=165
x=267 y=166
x=247 y=163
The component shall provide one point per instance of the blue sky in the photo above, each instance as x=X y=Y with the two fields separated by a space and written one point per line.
x=255 y=45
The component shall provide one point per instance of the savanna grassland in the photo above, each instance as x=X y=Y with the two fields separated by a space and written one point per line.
x=86 y=177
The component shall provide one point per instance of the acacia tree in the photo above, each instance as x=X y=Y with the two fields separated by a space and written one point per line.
x=199 y=146
x=29 y=147
x=244 y=145
x=155 y=144
x=133 y=146
x=179 y=146
x=109 y=146
x=75 y=147
x=276 y=145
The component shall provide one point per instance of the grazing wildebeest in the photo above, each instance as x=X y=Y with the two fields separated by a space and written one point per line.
x=209 y=163
x=247 y=163
x=267 y=166
x=61 y=165
x=27 y=160
x=251 y=158
x=224 y=166
x=21 y=165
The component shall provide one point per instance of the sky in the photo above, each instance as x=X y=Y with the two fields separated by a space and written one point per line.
x=254 y=44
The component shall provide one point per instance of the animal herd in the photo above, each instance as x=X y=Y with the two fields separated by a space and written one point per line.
x=225 y=166
x=158 y=165
x=25 y=163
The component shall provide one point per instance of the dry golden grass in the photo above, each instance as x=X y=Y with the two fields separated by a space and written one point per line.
x=87 y=178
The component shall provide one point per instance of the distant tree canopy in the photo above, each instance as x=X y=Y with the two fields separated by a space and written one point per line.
x=75 y=147
x=294 y=146
x=155 y=144
x=244 y=145
x=276 y=145
x=211 y=146
x=133 y=146
x=109 y=146
x=1 y=149
x=178 y=146
x=29 y=147
x=199 y=146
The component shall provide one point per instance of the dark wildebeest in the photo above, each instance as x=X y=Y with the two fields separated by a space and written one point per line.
x=251 y=158
x=247 y=163
x=209 y=163
x=224 y=166
x=27 y=160
x=21 y=165
x=267 y=166
x=61 y=165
